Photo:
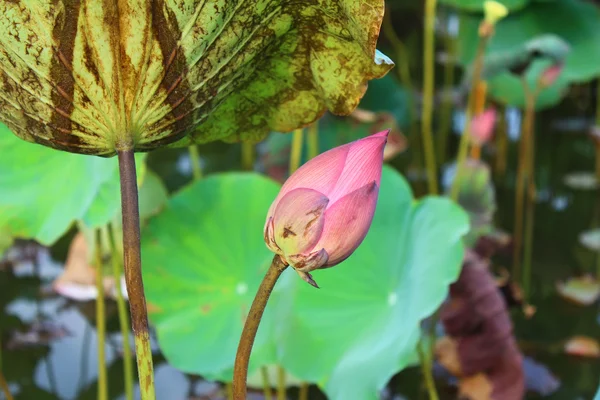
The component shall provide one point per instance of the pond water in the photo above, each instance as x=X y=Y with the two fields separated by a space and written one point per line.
x=49 y=343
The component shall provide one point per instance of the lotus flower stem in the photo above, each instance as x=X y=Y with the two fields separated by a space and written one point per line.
x=281 y=395
x=242 y=358
x=195 y=160
x=428 y=89
x=133 y=273
x=123 y=316
x=466 y=133
x=100 y=321
x=426 y=368
x=313 y=140
x=303 y=394
x=247 y=156
x=229 y=391
x=3 y=383
x=296 y=152
x=529 y=178
x=267 y=392
x=446 y=109
x=478 y=108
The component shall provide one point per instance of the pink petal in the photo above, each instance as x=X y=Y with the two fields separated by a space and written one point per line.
x=298 y=220
x=551 y=74
x=76 y=291
x=347 y=223
x=482 y=126
x=320 y=173
x=363 y=166
x=269 y=237
x=308 y=262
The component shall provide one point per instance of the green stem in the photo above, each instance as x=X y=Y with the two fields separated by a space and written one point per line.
x=195 y=159
x=123 y=316
x=529 y=176
x=3 y=383
x=267 y=392
x=426 y=370
x=501 y=144
x=296 y=151
x=242 y=358
x=428 y=89
x=229 y=391
x=466 y=133
x=247 y=156
x=133 y=273
x=101 y=321
x=280 y=383
x=313 y=140
x=303 y=395
x=446 y=109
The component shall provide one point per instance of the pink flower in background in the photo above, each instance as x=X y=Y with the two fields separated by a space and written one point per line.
x=324 y=210
x=482 y=126
x=550 y=74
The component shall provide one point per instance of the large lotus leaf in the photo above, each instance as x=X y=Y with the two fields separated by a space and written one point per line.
x=362 y=326
x=204 y=258
x=94 y=77
x=42 y=191
x=539 y=18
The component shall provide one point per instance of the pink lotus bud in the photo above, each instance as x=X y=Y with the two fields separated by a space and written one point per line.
x=550 y=75
x=324 y=210
x=482 y=126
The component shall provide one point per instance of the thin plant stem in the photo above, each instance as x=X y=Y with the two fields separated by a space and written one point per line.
x=195 y=159
x=133 y=273
x=303 y=394
x=267 y=392
x=529 y=135
x=229 y=391
x=123 y=315
x=478 y=108
x=242 y=358
x=101 y=321
x=296 y=152
x=280 y=383
x=313 y=140
x=247 y=156
x=466 y=133
x=3 y=383
x=446 y=109
x=428 y=89
x=501 y=144
x=426 y=367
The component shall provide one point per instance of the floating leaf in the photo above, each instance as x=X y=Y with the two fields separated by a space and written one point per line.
x=583 y=346
x=539 y=18
x=42 y=192
x=204 y=258
x=590 y=239
x=362 y=326
x=143 y=74
x=584 y=290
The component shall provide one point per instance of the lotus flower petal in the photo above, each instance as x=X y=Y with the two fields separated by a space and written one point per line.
x=482 y=126
x=298 y=220
x=363 y=165
x=308 y=262
x=321 y=174
x=347 y=223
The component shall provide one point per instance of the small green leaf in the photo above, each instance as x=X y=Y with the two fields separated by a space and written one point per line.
x=362 y=326
x=204 y=258
x=43 y=191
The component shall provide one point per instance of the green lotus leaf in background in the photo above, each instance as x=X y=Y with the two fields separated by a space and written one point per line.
x=139 y=75
x=43 y=191
x=362 y=326
x=204 y=258
x=574 y=21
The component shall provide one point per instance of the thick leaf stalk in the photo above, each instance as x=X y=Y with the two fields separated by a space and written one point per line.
x=133 y=273
x=242 y=358
x=428 y=88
